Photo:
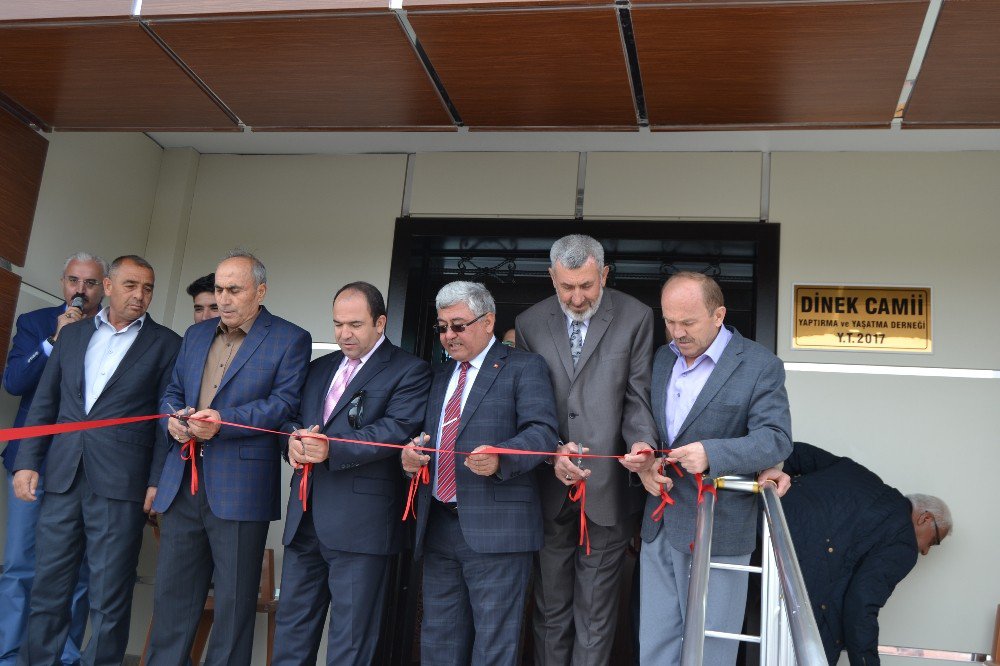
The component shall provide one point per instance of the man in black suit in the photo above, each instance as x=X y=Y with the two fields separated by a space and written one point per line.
x=341 y=535
x=98 y=482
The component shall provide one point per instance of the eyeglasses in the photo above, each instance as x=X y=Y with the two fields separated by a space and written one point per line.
x=74 y=280
x=937 y=534
x=440 y=329
x=356 y=412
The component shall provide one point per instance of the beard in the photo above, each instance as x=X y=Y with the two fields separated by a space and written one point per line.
x=586 y=314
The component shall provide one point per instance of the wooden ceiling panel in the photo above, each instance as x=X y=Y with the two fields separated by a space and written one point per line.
x=10 y=288
x=959 y=83
x=160 y=8
x=334 y=72
x=778 y=65
x=562 y=69
x=20 y=179
x=33 y=10
x=101 y=76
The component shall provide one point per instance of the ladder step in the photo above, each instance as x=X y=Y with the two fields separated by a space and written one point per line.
x=732 y=637
x=735 y=567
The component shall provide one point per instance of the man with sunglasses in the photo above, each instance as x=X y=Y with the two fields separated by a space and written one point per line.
x=340 y=537
x=82 y=290
x=856 y=538
x=479 y=519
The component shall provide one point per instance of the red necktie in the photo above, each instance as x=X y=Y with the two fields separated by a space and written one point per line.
x=449 y=433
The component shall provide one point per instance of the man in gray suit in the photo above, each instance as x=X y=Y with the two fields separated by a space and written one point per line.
x=598 y=344
x=721 y=407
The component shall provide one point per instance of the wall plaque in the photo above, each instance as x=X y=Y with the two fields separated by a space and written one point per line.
x=862 y=318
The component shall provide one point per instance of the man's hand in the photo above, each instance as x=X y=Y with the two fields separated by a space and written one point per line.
x=315 y=449
x=296 y=452
x=780 y=479
x=25 y=484
x=204 y=430
x=691 y=457
x=566 y=471
x=412 y=459
x=653 y=478
x=177 y=428
x=147 y=506
x=483 y=464
x=72 y=314
x=636 y=461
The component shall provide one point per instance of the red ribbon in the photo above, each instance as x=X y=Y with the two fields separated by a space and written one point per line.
x=665 y=499
x=25 y=432
x=423 y=476
x=188 y=451
x=704 y=487
x=579 y=493
x=306 y=470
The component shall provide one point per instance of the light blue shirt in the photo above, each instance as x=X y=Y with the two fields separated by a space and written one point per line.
x=106 y=350
x=470 y=379
x=686 y=382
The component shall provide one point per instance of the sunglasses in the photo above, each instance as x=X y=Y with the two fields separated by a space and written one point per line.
x=356 y=412
x=441 y=329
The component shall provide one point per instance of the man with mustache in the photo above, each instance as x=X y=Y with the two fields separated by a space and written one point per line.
x=98 y=483
x=37 y=331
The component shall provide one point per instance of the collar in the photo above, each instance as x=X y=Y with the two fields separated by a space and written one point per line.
x=378 y=343
x=102 y=318
x=245 y=326
x=481 y=356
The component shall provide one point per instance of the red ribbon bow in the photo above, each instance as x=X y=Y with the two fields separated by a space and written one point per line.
x=579 y=493
x=188 y=451
x=306 y=470
x=423 y=475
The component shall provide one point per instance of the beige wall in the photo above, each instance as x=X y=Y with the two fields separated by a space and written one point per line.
x=902 y=218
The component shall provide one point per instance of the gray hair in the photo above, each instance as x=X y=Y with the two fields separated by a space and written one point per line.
x=256 y=266
x=85 y=256
x=475 y=295
x=934 y=506
x=573 y=251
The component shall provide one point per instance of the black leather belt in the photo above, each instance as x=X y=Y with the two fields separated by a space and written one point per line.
x=448 y=507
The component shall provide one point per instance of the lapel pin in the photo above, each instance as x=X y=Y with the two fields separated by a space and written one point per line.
x=496 y=365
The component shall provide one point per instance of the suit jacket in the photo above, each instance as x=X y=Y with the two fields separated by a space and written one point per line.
x=603 y=402
x=261 y=388
x=741 y=417
x=854 y=539
x=355 y=495
x=510 y=405
x=25 y=363
x=119 y=461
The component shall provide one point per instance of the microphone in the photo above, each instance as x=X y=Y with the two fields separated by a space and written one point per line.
x=77 y=302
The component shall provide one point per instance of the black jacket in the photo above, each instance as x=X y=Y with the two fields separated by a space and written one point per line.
x=855 y=541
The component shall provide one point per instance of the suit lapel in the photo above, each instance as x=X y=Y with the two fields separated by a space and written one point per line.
x=142 y=343
x=317 y=397
x=436 y=403
x=257 y=333
x=79 y=362
x=201 y=342
x=378 y=361
x=595 y=331
x=560 y=337
x=730 y=360
x=661 y=377
x=495 y=359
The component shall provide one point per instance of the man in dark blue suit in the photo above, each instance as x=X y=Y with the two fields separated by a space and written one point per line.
x=37 y=331
x=247 y=367
x=479 y=521
x=98 y=483
x=370 y=390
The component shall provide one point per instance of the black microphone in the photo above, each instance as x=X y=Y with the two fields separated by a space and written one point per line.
x=77 y=302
